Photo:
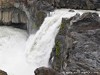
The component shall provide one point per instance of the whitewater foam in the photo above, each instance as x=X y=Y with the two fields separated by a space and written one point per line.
x=20 y=55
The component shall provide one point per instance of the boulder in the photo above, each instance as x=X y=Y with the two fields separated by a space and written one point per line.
x=71 y=10
x=45 y=71
x=2 y=72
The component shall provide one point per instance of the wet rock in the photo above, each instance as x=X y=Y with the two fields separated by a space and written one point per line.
x=87 y=21
x=2 y=72
x=71 y=10
x=77 y=48
x=13 y=17
x=45 y=71
x=39 y=18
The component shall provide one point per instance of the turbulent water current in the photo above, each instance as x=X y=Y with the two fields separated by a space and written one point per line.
x=21 y=54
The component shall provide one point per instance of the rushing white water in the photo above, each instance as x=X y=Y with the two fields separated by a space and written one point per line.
x=12 y=52
x=38 y=52
x=12 y=42
x=21 y=56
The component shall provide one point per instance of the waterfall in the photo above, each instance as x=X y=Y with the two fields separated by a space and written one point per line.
x=12 y=43
x=39 y=46
x=21 y=55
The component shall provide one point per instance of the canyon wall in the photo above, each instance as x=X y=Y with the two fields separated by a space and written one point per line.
x=77 y=47
x=11 y=11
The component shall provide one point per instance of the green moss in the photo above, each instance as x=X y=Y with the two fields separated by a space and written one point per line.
x=40 y=18
x=62 y=26
x=61 y=29
x=34 y=26
x=57 y=48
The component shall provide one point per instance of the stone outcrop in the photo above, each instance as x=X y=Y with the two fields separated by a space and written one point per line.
x=77 y=47
x=2 y=72
x=11 y=16
x=45 y=71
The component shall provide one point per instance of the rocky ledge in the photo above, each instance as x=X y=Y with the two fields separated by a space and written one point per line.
x=77 y=46
x=46 y=71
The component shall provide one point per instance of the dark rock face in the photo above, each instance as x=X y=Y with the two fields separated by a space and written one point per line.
x=45 y=71
x=11 y=16
x=87 y=21
x=2 y=72
x=77 y=47
x=11 y=11
x=28 y=13
x=74 y=4
x=39 y=17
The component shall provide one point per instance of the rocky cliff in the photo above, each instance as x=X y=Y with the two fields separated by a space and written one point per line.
x=27 y=13
x=10 y=15
x=77 y=47
x=31 y=13
x=77 y=43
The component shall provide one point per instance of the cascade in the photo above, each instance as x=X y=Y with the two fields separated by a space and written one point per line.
x=20 y=55
x=39 y=46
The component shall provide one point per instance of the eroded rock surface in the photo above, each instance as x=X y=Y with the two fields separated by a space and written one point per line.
x=77 y=47
x=28 y=13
